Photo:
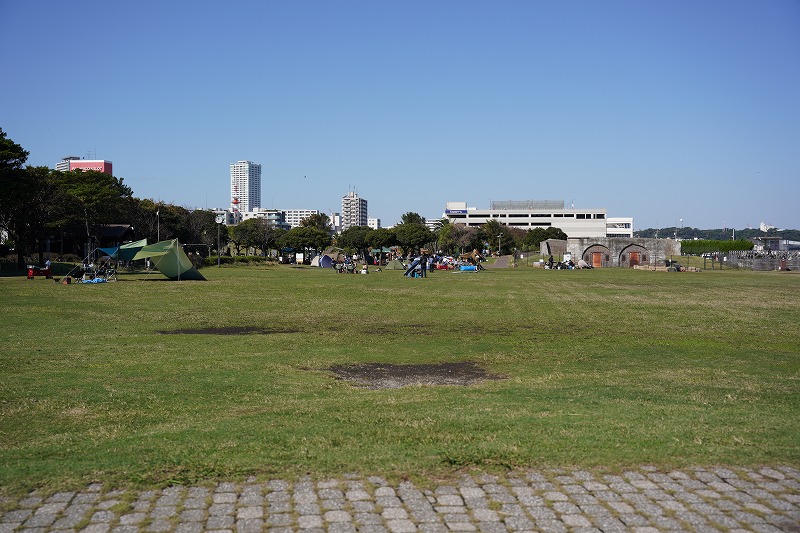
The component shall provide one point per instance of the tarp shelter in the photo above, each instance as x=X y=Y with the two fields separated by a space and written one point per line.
x=126 y=252
x=169 y=259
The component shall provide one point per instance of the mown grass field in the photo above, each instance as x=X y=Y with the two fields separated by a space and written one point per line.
x=605 y=368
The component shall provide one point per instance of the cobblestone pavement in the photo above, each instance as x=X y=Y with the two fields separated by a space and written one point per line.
x=640 y=500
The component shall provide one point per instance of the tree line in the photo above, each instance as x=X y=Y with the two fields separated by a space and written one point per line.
x=720 y=234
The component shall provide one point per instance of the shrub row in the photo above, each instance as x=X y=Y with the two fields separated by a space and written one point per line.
x=236 y=260
x=702 y=246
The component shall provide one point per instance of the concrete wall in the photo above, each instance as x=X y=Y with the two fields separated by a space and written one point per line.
x=618 y=251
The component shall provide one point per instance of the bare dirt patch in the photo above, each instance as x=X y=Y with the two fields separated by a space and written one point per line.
x=228 y=330
x=389 y=376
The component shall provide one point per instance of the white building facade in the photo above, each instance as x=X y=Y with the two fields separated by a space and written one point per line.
x=245 y=186
x=295 y=216
x=530 y=214
x=354 y=211
x=374 y=223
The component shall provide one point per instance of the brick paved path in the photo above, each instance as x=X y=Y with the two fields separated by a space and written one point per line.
x=641 y=500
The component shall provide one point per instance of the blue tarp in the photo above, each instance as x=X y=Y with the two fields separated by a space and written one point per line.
x=96 y=280
x=111 y=252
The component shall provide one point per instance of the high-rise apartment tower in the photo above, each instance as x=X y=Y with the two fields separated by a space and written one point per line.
x=354 y=211
x=245 y=186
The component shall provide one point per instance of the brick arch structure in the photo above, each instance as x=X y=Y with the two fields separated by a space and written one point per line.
x=597 y=255
x=634 y=254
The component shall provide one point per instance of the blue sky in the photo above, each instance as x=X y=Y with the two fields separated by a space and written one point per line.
x=657 y=110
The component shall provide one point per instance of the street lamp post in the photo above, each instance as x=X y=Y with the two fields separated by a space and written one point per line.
x=158 y=225
x=499 y=247
x=220 y=219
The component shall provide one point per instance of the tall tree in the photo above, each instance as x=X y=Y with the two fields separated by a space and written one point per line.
x=381 y=238
x=467 y=238
x=412 y=218
x=534 y=237
x=446 y=238
x=413 y=236
x=305 y=239
x=355 y=239
x=494 y=234
x=96 y=198
x=13 y=188
x=318 y=220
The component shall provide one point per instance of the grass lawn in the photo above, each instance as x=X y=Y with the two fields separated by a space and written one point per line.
x=605 y=368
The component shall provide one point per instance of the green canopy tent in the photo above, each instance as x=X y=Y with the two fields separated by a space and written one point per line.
x=169 y=259
x=128 y=251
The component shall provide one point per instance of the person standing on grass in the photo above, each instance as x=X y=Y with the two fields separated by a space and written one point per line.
x=423 y=263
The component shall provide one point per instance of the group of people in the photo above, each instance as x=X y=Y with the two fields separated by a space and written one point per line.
x=350 y=266
x=566 y=265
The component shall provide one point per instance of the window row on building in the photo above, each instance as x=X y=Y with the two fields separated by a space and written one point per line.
x=532 y=214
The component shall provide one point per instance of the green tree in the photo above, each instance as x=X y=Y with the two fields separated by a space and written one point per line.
x=263 y=234
x=238 y=235
x=534 y=237
x=489 y=233
x=48 y=199
x=93 y=199
x=249 y=233
x=447 y=238
x=30 y=226
x=14 y=189
x=413 y=236
x=355 y=239
x=466 y=238
x=320 y=221
x=305 y=239
x=412 y=218
x=381 y=238
x=555 y=233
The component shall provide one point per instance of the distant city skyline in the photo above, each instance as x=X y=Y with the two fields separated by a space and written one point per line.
x=659 y=111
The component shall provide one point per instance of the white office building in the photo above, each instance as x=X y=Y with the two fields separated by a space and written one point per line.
x=530 y=214
x=374 y=223
x=354 y=211
x=295 y=216
x=245 y=186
